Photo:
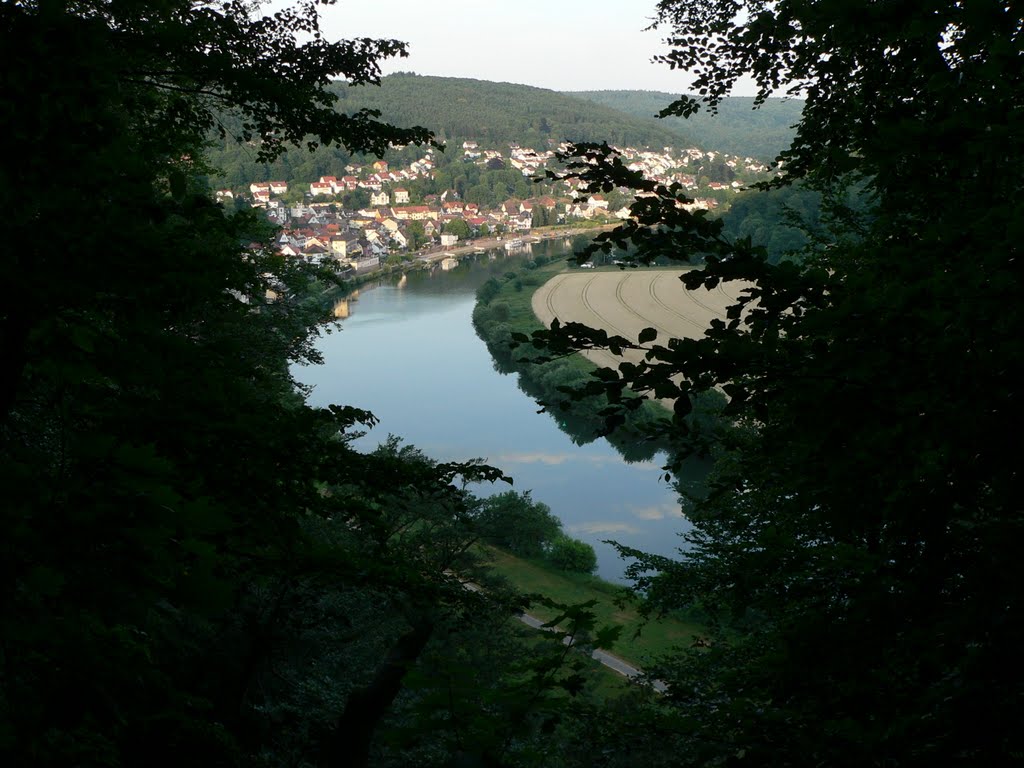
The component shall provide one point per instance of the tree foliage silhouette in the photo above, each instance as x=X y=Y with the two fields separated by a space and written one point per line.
x=198 y=568
x=862 y=534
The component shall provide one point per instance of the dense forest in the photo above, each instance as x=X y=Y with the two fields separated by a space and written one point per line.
x=456 y=109
x=737 y=126
x=499 y=113
x=782 y=221
x=201 y=569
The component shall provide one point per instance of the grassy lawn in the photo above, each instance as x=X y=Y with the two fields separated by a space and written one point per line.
x=521 y=315
x=602 y=683
x=656 y=637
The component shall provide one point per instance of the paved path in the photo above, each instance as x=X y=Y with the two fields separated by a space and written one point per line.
x=610 y=660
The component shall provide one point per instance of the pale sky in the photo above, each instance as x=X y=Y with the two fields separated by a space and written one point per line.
x=564 y=45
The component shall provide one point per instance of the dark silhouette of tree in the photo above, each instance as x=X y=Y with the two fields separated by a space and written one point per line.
x=861 y=537
x=198 y=568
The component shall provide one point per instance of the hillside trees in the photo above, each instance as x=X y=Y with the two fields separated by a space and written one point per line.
x=736 y=127
x=495 y=114
x=780 y=220
x=862 y=533
x=458 y=227
x=514 y=521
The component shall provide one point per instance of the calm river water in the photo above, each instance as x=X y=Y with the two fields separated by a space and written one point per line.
x=408 y=353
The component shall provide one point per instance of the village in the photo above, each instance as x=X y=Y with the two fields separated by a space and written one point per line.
x=394 y=228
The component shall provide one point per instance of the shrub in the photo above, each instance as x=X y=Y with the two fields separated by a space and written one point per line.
x=573 y=555
x=499 y=311
x=486 y=293
x=517 y=523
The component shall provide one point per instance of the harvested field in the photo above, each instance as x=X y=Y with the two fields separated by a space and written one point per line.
x=624 y=303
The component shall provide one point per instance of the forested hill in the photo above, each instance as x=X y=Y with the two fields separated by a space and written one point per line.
x=503 y=112
x=738 y=128
x=457 y=109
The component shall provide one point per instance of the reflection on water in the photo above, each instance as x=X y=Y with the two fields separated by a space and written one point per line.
x=583 y=429
x=409 y=354
x=343 y=307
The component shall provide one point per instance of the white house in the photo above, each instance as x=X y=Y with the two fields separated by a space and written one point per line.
x=345 y=248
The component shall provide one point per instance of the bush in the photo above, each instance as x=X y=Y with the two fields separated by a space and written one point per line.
x=531 y=280
x=500 y=311
x=560 y=373
x=573 y=555
x=518 y=524
x=486 y=293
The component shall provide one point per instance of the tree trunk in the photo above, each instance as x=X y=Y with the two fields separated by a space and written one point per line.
x=349 y=745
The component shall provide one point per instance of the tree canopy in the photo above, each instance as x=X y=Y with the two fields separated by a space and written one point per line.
x=736 y=127
x=861 y=537
x=198 y=567
x=514 y=521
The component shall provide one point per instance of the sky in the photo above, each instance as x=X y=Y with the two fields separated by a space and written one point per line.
x=564 y=45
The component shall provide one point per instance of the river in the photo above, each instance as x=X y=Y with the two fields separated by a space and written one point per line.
x=406 y=351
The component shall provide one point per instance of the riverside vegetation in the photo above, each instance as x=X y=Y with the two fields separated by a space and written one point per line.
x=503 y=308
x=504 y=313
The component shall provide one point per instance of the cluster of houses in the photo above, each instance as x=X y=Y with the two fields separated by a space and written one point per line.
x=526 y=160
x=668 y=167
x=261 y=192
x=324 y=232
x=375 y=180
x=372 y=178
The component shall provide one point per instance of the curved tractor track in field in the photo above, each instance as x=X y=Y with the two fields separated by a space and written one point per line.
x=625 y=303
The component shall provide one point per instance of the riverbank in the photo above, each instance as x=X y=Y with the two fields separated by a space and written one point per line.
x=439 y=253
x=640 y=642
x=505 y=307
x=427 y=258
x=622 y=302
